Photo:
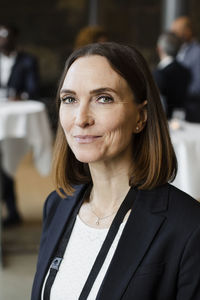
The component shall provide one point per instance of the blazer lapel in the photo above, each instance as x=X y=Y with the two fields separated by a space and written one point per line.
x=55 y=231
x=141 y=228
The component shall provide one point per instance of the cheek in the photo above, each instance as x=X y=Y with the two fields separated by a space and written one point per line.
x=65 y=120
x=120 y=127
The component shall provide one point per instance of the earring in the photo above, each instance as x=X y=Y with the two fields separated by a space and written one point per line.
x=137 y=128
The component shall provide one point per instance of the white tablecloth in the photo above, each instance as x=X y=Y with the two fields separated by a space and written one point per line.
x=24 y=125
x=186 y=142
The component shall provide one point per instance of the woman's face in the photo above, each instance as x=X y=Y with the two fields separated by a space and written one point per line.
x=98 y=113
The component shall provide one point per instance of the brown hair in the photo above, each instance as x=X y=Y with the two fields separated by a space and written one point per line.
x=153 y=156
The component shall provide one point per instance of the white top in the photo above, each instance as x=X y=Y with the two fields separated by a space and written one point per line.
x=6 y=65
x=80 y=254
x=165 y=62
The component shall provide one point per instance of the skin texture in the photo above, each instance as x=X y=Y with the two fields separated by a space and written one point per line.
x=100 y=117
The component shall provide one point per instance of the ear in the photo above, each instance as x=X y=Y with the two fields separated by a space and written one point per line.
x=142 y=117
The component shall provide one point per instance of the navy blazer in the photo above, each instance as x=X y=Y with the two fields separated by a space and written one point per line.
x=173 y=82
x=158 y=254
x=24 y=76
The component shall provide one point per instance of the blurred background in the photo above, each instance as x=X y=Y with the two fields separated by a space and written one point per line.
x=48 y=30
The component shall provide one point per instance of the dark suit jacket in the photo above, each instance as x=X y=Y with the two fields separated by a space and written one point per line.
x=24 y=75
x=173 y=81
x=158 y=255
x=190 y=53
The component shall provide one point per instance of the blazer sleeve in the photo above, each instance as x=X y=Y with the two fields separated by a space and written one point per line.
x=189 y=275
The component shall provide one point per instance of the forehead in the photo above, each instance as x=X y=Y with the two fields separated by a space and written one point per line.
x=95 y=69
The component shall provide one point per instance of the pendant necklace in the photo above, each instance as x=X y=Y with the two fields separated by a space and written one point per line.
x=99 y=219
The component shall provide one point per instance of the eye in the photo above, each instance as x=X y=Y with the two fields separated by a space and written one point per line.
x=67 y=99
x=105 y=99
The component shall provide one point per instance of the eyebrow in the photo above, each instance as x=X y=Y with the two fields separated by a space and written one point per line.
x=67 y=91
x=96 y=91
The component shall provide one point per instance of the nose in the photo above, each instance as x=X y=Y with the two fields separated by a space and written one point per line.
x=84 y=116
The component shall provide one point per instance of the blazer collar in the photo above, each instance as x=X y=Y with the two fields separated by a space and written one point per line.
x=142 y=226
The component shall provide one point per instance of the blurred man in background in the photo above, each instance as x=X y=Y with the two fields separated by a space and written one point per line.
x=18 y=80
x=18 y=70
x=189 y=56
x=171 y=77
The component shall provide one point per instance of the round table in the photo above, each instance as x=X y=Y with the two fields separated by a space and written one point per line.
x=186 y=141
x=24 y=125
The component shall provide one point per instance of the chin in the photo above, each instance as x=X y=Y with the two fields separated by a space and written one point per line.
x=87 y=157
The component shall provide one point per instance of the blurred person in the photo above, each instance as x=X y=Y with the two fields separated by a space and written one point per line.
x=18 y=80
x=171 y=77
x=115 y=228
x=189 y=56
x=19 y=77
x=89 y=35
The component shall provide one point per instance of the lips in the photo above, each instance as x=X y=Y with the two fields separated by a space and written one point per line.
x=86 y=139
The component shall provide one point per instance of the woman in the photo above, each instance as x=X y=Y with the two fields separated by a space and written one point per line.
x=115 y=228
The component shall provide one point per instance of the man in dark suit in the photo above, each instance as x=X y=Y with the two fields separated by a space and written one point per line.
x=18 y=70
x=171 y=77
x=18 y=80
x=189 y=57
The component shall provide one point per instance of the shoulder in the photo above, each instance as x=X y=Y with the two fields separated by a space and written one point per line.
x=177 y=67
x=195 y=45
x=193 y=50
x=159 y=75
x=183 y=209
x=50 y=206
x=157 y=72
x=178 y=207
x=51 y=202
x=167 y=71
x=181 y=197
x=54 y=200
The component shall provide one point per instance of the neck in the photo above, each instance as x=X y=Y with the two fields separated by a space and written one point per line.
x=110 y=185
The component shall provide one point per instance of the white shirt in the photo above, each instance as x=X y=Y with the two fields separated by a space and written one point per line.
x=6 y=64
x=80 y=254
x=167 y=60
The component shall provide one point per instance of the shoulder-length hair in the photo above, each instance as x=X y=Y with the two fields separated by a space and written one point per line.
x=154 y=160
